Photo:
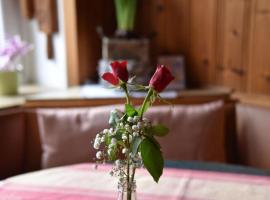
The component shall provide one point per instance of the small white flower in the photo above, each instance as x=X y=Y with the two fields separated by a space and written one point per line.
x=105 y=131
x=127 y=127
x=109 y=151
x=140 y=155
x=140 y=125
x=121 y=124
x=135 y=134
x=124 y=137
x=130 y=119
x=130 y=138
x=96 y=146
x=97 y=140
x=136 y=118
x=117 y=163
x=99 y=155
x=111 y=131
x=135 y=128
x=124 y=151
x=103 y=138
x=111 y=146
x=113 y=141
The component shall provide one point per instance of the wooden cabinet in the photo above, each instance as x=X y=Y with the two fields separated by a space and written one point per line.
x=259 y=77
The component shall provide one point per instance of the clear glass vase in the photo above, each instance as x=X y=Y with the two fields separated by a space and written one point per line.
x=127 y=191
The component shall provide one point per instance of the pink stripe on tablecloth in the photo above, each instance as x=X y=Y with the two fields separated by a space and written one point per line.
x=24 y=192
x=195 y=174
x=11 y=194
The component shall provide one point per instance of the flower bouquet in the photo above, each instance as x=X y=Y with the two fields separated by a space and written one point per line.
x=9 y=53
x=130 y=143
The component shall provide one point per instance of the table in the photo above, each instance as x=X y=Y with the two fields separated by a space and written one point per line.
x=83 y=182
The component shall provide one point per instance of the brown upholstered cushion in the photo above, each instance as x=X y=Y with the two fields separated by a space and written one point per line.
x=197 y=132
x=253 y=124
x=66 y=134
x=11 y=142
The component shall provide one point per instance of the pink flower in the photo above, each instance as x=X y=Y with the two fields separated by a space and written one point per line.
x=161 y=78
x=119 y=72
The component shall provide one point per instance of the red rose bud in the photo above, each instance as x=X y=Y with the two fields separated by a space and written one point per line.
x=161 y=78
x=119 y=71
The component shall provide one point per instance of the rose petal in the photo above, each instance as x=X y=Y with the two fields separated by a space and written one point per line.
x=109 y=77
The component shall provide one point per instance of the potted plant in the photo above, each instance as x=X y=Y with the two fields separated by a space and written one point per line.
x=125 y=16
x=126 y=45
x=13 y=49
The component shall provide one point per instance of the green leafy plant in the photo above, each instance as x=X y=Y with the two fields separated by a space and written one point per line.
x=125 y=14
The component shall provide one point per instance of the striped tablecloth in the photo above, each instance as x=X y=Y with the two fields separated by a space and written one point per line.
x=83 y=182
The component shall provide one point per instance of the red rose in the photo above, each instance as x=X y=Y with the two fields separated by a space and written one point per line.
x=161 y=78
x=119 y=71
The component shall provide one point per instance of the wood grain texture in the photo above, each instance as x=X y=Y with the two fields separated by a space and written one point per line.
x=225 y=42
x=233 y=38
x=82 y=17
x=260 y=47
x=202 y=54
x=72 y=42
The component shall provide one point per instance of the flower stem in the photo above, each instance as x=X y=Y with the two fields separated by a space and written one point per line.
x=124 y=87
x=129 y=191
x=146 y=100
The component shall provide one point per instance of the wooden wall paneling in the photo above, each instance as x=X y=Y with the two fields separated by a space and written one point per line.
x=177 y=26
x=150 y=21
x=72 y=44
x=220 y=43
x=260 y=59
x=89 y=13
x=82 y=17
x=202 y=53
x=232 y=67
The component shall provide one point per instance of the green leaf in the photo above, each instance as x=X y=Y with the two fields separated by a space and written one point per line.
x=135 y=145
x=130 y=110
x=152 y=158
x=159 y=130
x=152 y=139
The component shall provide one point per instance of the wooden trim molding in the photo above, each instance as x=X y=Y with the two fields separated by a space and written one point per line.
x=252 y=99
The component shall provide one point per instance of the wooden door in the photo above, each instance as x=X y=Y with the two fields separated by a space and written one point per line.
x=259 y=79
x=233 y=43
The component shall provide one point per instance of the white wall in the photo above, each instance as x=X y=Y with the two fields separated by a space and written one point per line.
x=38 y=69
x=51 y=73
